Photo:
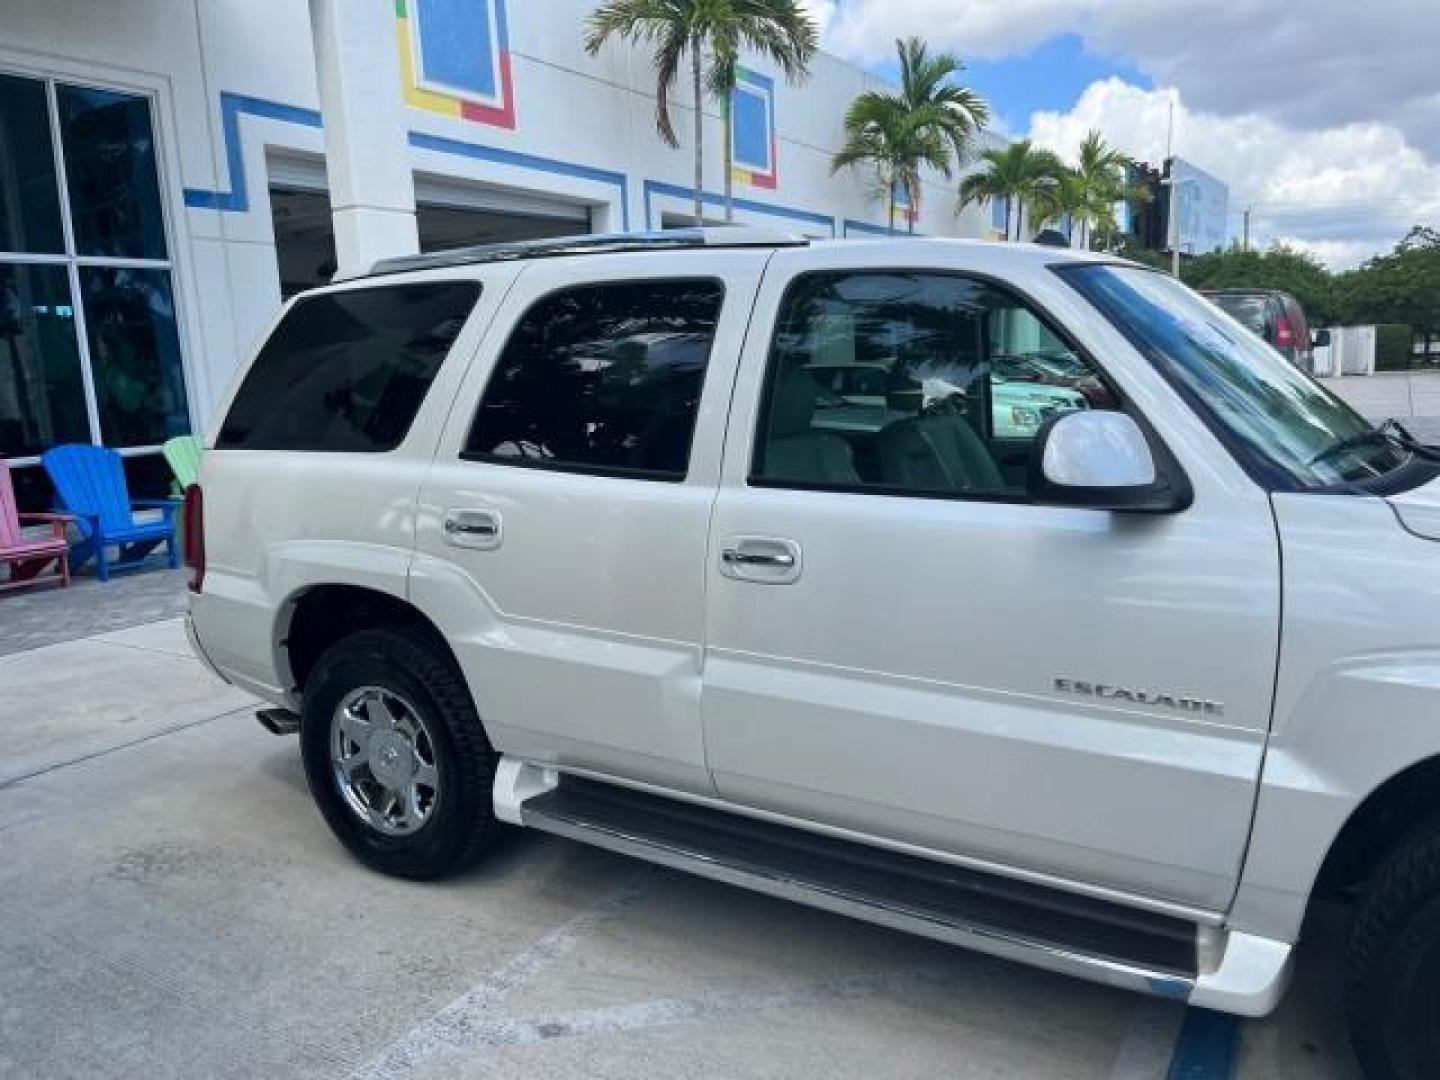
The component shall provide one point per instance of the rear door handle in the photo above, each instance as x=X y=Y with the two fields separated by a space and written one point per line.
x=762 y=559
x=473 y=529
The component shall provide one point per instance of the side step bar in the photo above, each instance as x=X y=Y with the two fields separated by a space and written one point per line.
x=1064 y=932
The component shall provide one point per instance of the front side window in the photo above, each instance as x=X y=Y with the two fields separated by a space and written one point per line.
x=913 y=383
x=603 y=379
x=347 y=371
x=1284 y=426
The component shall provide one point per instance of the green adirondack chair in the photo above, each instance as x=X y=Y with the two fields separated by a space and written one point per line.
x=182 y=454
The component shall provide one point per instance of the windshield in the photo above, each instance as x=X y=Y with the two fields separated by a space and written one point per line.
x=1280 y=422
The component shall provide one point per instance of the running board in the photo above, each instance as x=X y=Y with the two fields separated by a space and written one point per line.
x=1060 y=931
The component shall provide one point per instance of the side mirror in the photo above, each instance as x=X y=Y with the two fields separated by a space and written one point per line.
x=1104 y=461
x=1321 y=339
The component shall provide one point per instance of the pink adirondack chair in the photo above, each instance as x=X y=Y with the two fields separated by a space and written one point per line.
x=28 y=556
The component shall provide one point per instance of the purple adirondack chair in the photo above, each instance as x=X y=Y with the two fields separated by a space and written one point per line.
x=28 y=556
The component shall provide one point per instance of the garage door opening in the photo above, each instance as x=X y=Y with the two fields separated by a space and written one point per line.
x=449 y=214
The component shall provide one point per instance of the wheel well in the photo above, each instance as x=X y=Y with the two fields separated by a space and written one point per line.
x=1391 y=810
x=324 y=614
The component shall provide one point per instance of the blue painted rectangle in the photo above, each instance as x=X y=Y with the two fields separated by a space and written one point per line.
x=457 y=46
x=1206 y=1048
x=752 y=130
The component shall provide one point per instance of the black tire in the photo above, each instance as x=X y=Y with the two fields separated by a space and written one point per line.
x=409 y=662
x=1392 y=965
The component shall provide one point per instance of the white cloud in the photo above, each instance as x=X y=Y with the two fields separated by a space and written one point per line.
x=1308 y=65
x=1343 y=192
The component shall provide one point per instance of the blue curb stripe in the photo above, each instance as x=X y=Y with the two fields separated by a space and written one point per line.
x=1207 y=1047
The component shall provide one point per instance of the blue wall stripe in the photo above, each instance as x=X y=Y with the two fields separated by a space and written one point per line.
x=1207 y=1047
x=237 y=198
x=422 y=141
x=709 y=198
x=874 y=230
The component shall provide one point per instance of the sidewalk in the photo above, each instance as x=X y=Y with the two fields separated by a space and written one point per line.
x=44 y=616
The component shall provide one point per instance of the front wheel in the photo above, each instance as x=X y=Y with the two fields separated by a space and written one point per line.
x=1392 y=970
x=395 y=754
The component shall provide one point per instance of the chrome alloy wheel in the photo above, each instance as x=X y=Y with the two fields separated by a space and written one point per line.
x=383 y=758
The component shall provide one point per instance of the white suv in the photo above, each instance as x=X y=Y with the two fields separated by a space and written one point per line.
x=570 y=536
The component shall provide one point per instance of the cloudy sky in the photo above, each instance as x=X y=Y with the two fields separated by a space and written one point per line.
x=1324 y=115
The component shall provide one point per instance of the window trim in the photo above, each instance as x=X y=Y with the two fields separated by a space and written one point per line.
x=611 y=472
x=1165 y=461
x=359 y=286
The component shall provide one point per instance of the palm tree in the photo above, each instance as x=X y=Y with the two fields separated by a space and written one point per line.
x=1102 y=172
x=681 y=30
x=1068 y=196
x=781 y=31
x=1019 y=173
x=931 y=121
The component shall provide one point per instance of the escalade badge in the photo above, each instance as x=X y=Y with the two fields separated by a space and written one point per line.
x=1140 y=697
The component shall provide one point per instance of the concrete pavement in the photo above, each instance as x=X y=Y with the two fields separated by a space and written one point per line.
x=174 y=907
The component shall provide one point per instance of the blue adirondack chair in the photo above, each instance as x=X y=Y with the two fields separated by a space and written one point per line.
x=90 y=484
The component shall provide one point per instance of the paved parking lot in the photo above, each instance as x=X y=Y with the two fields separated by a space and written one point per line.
x=174 y=907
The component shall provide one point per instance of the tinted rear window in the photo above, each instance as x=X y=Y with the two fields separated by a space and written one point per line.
x=347 y=371
x=1252 y=312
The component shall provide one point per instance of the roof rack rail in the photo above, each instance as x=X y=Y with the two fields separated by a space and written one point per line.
x=726 y=236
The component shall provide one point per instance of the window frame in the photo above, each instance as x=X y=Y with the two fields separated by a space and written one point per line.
x=174 y=264
x=1165 y=461
x=613 y=472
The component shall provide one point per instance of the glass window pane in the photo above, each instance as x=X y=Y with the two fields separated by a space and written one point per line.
x=348 y=371
x=602 y=379
x=134 y=355
x=29 y=193
x=913 y=383
x=42 y=389
x=110 y=169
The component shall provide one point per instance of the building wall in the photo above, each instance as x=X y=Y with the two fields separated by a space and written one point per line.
x=234 y=79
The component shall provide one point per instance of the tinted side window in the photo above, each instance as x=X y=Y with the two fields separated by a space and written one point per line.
x=917 y=383
x=347 y=371
x=603 y=379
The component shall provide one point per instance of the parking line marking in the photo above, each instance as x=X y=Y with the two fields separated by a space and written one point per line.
x=1149 y=1044
x=452 y=1027
x=1207 y=1048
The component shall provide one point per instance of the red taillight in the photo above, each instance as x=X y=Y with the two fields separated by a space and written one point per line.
x=195 y=536
x=1284 y=334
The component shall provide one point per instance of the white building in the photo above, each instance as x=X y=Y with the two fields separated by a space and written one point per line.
x=163 y=178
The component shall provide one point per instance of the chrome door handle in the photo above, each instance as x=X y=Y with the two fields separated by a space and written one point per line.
x=764 y=560
x=736 y=557
x=473 y=528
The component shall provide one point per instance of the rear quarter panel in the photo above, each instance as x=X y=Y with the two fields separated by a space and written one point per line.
x=280 y=522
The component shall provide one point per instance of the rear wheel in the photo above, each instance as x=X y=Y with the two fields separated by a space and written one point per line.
x=396 y=756
x=1392 y=971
